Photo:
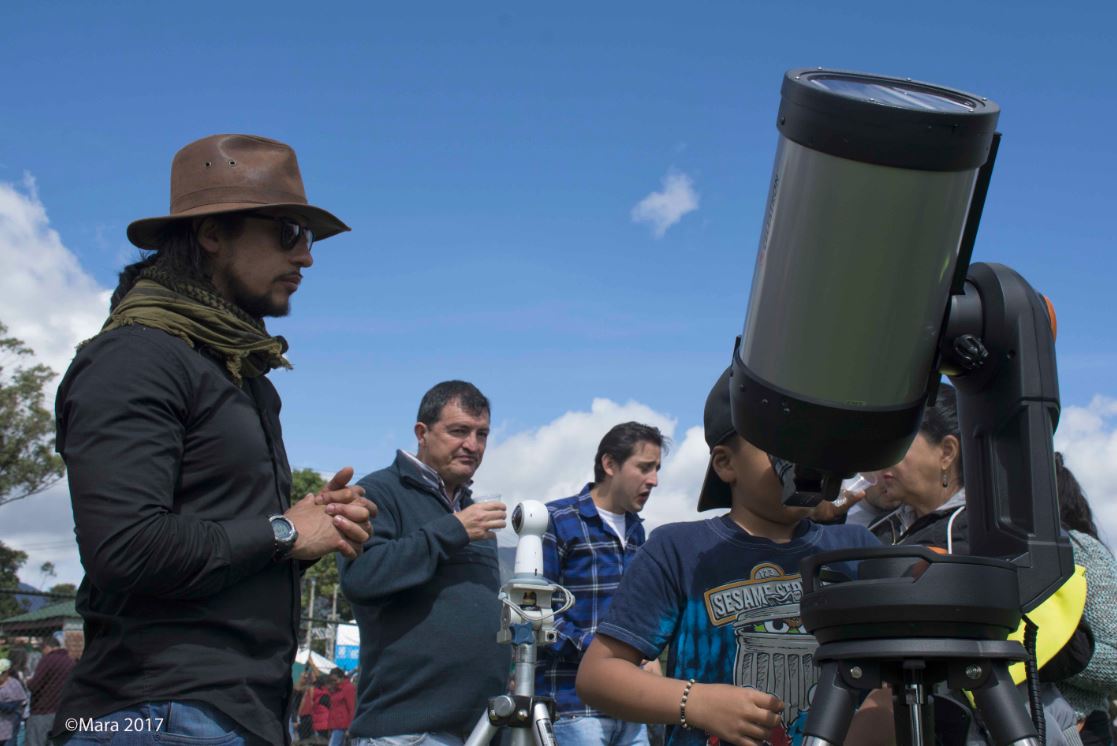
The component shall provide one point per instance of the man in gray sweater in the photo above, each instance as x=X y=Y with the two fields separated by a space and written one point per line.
x=425 y=588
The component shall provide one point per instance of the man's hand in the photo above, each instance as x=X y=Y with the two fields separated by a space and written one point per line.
x=352 y=513
x=481 y=519
x=318 y=536
x=338 y=518
x=734 y=714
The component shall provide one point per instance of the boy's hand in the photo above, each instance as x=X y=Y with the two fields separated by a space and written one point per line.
x=734 y=714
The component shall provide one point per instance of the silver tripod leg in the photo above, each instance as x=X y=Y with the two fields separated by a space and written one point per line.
x=541 y=726
x=482 y=733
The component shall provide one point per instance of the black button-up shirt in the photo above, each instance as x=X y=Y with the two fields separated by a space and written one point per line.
x=173 y=471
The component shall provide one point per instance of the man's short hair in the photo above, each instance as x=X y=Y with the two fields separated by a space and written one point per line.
x=468 y=397
x=621 y=441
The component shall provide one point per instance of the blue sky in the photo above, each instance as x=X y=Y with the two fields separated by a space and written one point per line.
x=489 y=157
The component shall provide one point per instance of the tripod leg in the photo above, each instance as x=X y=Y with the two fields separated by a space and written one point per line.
x=831 y=709
x=482 y=733
x=541 y=725
x=1003 y=711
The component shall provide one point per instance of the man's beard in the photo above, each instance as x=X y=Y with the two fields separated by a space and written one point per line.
x=259 y=305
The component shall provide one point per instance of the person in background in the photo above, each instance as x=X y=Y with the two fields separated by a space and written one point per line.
x=46 y=688
x=13 y=698
x=591 y=539
x=1090 y=691
x=320 y=708
x=929 y=483
x=425 y=589
x=23 y=662
x=304 y=694
x=875 y=505
x=343 y=702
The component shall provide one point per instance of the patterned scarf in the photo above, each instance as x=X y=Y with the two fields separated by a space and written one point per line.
x=195 y=313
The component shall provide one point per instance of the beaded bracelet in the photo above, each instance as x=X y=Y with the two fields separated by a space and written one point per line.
x=682 y=705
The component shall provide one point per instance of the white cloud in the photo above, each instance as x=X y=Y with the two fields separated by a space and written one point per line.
x=46 y=298
x=556 y=460
x=48 y=301
x=665 y=208
x=43 y=526
x=1087 y=437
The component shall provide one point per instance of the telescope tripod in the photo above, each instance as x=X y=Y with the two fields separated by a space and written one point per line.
x=914 y=619
x=527 y=620
x=912 y=667
x=528 y=716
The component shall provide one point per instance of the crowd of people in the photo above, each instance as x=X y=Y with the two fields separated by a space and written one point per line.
x=193 y=546
x=326 y=702
x=30 y=691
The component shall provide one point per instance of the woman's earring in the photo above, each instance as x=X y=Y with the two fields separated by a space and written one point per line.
x=944 y=479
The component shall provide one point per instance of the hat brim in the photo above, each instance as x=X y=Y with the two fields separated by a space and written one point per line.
x=145 y=233
x=715 y=493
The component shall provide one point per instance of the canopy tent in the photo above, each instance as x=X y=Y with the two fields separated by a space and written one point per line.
x=320 y=663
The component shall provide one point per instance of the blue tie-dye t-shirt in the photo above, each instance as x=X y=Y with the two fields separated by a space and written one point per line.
x=726 y=605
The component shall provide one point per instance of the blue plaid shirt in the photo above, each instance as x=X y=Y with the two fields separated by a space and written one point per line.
x=581 y=553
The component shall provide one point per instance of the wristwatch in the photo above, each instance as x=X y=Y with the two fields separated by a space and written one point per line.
x=285 y=536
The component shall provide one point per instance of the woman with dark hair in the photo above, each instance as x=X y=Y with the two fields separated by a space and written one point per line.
x=929 y=483
x=1090 y=690
x=320 y=713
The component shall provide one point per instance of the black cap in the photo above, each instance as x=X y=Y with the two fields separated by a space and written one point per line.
x=717 y=421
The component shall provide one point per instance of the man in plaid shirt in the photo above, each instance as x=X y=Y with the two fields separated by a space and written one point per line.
x=591 y=538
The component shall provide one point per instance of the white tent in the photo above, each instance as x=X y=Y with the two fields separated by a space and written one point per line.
x=320 y=662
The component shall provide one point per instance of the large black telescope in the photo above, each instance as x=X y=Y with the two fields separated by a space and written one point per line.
x=862 y=297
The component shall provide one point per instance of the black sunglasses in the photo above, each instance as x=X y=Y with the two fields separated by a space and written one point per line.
x=289 y=231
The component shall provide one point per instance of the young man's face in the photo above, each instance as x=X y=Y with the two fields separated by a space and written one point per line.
x=631 y=483
x=455 y=444
x=253 y=270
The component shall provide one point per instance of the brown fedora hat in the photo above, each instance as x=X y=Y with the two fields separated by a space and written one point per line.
x=229 y=173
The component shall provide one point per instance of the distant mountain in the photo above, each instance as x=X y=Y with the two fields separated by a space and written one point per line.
x=31 y=603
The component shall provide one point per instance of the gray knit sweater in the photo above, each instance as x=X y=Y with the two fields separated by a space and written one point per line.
x=1092 y=688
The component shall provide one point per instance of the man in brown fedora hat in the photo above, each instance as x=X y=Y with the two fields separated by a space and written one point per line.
x=178 y=476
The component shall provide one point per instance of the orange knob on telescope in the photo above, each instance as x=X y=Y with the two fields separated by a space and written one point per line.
x=1051 y=316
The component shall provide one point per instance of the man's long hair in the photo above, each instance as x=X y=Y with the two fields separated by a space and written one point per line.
x=179 y=254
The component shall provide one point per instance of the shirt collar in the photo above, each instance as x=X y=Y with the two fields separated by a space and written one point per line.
x=411 y=466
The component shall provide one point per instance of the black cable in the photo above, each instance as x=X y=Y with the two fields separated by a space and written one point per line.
x=1031 y=632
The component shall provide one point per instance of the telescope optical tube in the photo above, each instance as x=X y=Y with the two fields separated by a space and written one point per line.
x=870 y=191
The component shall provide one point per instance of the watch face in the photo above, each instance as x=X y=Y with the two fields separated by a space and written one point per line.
x=283 y=530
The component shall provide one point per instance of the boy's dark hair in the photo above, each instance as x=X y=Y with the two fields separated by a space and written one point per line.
x=1074 y=508
x=621 y=441
x=941 y=419
x=468 y=397
x=179 y=253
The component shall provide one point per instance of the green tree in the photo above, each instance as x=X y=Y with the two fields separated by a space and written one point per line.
x=28 y=463
x=63 y=589
x=10 y=562
x=323 y=573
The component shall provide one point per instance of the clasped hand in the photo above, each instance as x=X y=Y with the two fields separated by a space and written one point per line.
x=337 y=519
